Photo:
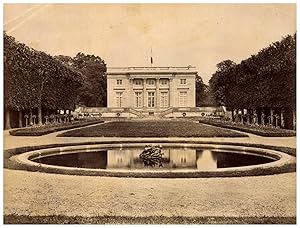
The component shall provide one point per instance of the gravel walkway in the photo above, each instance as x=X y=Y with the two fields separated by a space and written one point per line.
x=50 y=194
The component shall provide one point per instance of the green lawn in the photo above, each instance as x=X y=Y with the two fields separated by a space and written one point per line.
x=159 y=128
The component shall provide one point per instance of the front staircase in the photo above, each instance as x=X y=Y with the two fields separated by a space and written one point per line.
x=166 y=112
x=136 y=112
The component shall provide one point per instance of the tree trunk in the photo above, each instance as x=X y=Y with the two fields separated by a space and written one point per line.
x=262 y=119
x=248 y=116
x=232 y=114
x=282 y=124
x=30 y=117
x=20 y=119
x=294 y=119
x=242 y=116
x=40 y=120
x=255 y=117
x=7 y=119
x=271 y=116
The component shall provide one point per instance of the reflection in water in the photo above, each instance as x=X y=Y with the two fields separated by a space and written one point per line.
x=172 y=158
x=128 y=158
x=206 y=160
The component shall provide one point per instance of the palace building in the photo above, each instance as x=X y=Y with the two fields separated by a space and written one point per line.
x=150 y=91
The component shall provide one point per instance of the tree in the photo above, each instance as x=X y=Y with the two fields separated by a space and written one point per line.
x=265 y=81
x=93 y=68
x=203 y=94
x=33 y=79
x=200 y=91
x=219 y=81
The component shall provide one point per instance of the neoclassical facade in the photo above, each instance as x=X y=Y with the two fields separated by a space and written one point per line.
x=150 y=90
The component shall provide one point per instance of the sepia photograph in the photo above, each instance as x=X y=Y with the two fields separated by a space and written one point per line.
x=149 y=113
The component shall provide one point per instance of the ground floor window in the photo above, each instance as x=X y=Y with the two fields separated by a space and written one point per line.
x=119 y=99
x=164 y=99
x=151 y=99
x=138 y=101
x=183 y=99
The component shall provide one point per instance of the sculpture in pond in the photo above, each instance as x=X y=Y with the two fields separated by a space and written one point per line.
x=151 y=156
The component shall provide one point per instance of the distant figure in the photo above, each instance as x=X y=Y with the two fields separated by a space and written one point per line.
x=151 y=156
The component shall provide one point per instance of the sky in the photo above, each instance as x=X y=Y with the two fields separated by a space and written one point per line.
x=200 y=35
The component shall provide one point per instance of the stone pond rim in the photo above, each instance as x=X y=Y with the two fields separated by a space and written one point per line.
x=284 y=162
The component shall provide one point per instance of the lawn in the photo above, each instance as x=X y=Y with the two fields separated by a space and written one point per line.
x=154 y=128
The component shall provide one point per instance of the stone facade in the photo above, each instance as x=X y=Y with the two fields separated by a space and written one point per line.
x=150 y=90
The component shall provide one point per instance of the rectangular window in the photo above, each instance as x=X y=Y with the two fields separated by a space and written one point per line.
x=151 y=99
x=151 y=82
x=138 y=82
x=119 y=81
x=164 y=99
x=182 y=81
x=119 y=99
x=164 y=81
x=138 y=100
x=182 y=99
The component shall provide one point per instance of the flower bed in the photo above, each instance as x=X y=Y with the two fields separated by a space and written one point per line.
x=47 y=129
x=253 y=129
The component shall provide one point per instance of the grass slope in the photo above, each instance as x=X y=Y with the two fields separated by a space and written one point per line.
x=153 y=128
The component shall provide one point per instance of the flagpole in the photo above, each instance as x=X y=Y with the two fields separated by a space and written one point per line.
x=151 y=59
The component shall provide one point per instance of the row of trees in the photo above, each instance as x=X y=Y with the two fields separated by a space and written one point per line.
x=37 y=84
x=262 y=86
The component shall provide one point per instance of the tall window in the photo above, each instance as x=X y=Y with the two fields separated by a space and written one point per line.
x=119 y=81
x=164 y=99
x=119 y=99
x=151 y=99
x=182 y=99
x=138 y=100
x=182 y=81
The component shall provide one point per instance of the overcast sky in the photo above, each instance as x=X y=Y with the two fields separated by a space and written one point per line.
x=201 y=35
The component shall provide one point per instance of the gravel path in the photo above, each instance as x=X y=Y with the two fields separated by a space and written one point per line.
x=49 y=194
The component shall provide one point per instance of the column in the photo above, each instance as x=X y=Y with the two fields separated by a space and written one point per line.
x=157 y=93
x=171 y=97
x=131 y=94
x=144 y=93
